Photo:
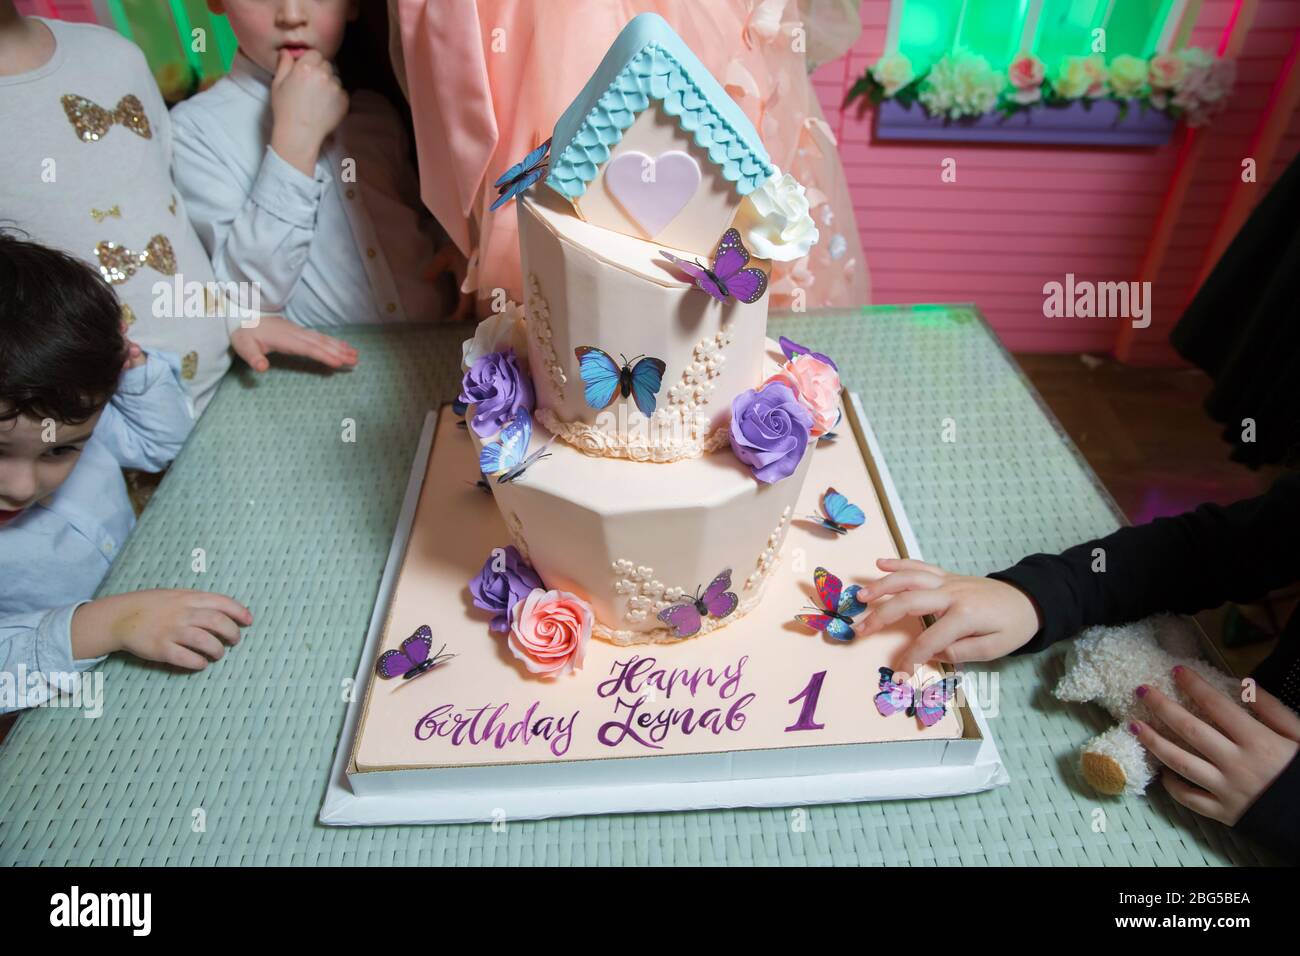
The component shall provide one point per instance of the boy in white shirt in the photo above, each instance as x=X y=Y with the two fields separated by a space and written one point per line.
x=78 y=403
x=300 y=189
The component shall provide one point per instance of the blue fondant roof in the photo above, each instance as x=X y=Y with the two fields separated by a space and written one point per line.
x=648 y=61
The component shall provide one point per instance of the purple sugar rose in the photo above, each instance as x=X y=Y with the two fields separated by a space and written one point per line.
x=770 y=430
x=505 y=579
x=497 y=388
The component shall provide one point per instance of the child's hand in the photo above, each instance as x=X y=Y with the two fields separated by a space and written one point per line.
x=308 y=102
x=182 y=628
x=979 y=619
x=275 y=333
x=135 y=356
x=1220 y=767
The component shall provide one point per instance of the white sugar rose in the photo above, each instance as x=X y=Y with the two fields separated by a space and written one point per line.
x=1082 y=76
x=893 y=71
x=1128 y=74
x=774 y=220
x=498 y=332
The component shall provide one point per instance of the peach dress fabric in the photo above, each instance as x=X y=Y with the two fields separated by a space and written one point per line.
x=487 y=79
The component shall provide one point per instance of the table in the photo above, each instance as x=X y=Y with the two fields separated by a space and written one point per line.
x=229 y=766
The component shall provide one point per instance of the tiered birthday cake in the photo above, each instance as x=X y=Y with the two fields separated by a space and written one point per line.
x=676 y=436
x=647 y=454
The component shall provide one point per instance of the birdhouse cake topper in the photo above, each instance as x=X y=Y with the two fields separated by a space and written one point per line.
x=653 y=147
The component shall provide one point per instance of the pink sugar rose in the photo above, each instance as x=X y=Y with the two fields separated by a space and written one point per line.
x=1167 y=71
x=1026 y=74
x=816 y=386
x=549 y=632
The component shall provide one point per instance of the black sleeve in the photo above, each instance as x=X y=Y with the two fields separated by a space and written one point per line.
x=1183 y=564
x=1274 y=818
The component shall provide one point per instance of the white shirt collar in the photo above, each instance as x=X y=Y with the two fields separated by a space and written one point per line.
x=250 y=77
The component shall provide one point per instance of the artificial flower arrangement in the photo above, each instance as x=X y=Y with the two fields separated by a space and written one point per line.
x=1188 y=84
x=772 y=425
x=547 y=630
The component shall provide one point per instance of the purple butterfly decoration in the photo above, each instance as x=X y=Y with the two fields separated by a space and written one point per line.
x=412 y=659
x=928 y=705
x=728 y=276
x=717 y=601
x=792 y=348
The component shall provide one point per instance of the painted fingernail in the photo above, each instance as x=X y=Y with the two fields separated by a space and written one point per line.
x=1141 y=690
x=1178 y=669
x=1134 y=729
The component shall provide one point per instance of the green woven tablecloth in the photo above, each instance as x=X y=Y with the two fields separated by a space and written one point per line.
x=229 y=766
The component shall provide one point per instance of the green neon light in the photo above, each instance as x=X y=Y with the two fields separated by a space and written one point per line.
x=120 y=22
x=992 y=28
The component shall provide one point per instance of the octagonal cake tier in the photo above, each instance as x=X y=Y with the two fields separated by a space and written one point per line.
x=590 y=286
x=633 y=538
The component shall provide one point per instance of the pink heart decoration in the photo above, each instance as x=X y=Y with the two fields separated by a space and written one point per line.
x=652 y=191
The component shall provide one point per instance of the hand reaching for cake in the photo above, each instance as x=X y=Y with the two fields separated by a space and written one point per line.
x=978 y=619
x=184 y=628
x=275 y=333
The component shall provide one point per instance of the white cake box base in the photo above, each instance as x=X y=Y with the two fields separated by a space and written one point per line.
x=884 y=758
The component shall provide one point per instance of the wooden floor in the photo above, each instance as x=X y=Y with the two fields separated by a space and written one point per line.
x=1145 y=434
x=1144 y=431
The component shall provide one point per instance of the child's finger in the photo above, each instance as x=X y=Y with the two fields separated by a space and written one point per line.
x=969 y=649
x=248 y=349
x=900 y=581
x=930 y=642
x=1187 y=765
x=181 y=656
x=217 y=623
x=282 y=68
x=909 y=603
x=907 y=564
x=324 y=349
x=1275 y=715
x=1193 y=798
x=1196 y=733
x=196 y=638
x=226 y=605
x=1222 y=711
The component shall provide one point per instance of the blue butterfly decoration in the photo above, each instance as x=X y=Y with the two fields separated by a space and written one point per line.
x=504 y=457
x=603 y=379
x=838 y=513
x=521 y=175
x=840 y=605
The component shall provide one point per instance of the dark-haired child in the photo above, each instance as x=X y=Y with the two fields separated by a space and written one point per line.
x=78 y=403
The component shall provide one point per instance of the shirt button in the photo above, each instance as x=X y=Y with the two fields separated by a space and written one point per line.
x=392 y=307
x=370 y=253
x=351 y=193
x=106 y=546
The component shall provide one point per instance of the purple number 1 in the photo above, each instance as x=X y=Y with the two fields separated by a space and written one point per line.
x=807 y=712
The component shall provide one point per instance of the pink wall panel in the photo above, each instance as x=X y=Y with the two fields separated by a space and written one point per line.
x=1020 y=216
x=77 y=11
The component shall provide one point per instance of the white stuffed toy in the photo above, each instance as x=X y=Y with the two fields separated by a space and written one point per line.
x=1105 y=665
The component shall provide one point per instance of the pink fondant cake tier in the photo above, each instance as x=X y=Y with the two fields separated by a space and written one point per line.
x=632 y=537
x=590 y=286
